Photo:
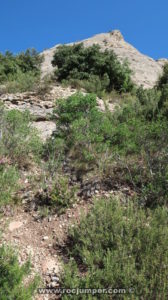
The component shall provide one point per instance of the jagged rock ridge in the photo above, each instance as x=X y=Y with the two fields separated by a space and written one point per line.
x=145 y=69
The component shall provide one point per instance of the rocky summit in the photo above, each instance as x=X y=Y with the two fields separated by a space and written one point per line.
x=145 y=69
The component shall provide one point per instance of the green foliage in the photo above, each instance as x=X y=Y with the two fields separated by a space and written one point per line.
x=20 y=72
x=119 y=246
x=83 y=128
x=97 y=70
x=57 y=197
x=163 y=80
x=139 y=141
x=18 y=139
x=74 y=108
x=162 y=86
x=30 y=60
x=62 y=195
x=8 y=182
x=23 y=82
x=149 y=101
x=13 y=276
x=127 y=147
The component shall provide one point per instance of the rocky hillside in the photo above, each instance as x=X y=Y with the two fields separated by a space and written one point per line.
x=145 y=69
x=41 y=106
x=92 y=198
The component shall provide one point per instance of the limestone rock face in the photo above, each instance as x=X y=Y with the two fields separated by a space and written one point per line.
x=40 y=107
x=145 y=69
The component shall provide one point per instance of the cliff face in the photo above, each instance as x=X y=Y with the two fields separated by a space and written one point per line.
x=145 y=69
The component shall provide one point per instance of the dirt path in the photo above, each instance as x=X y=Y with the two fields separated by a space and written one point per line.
x=35 y=238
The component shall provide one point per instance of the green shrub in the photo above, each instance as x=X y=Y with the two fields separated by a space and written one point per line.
x=18 y=139
x=94 y=84
x=28 y=61
x=22 y=82
x=131 y=142
x=54 y=154
x=119 y=246
x=149 y=101
x=163 y=79
x=83 y=128
x=98 y=70
x=8 y=183
x=12 y=277
x=73 y=108
x=139 y=142
x=21 y=72
x=62 y=195
x=57 y=197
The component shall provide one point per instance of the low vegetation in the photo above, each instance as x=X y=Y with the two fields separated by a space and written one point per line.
x=12 y=286
x=60 y=196
x=19 y=146
x=21 y=72
x=119 y=246
x=91 y=68
x=130 y=142
x=127 y=148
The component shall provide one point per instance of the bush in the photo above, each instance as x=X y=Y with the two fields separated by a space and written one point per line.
x=83 y=128
x=101 y=70
x=149 y=101
x=22 y=82
x=18 y=139
x=62 y=195
x=163 y=80
x=21 y=72
x=8 y=183
x=73 y=108
x=139 y=142
x=162 y=86
x=57 y=197
x=28 y=61
x=113 y=247
x=12 y=277
x=131 y=143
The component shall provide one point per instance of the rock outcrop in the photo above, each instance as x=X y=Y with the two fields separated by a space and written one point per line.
x=40 y=107
x=145 y=69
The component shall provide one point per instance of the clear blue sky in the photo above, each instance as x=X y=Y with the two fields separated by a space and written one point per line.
x=43 y=23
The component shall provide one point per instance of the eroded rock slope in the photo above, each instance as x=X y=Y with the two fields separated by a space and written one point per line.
x=145 y=69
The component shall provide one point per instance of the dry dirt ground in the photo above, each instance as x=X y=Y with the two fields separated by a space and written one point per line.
x=37 y=238
x=43 y=239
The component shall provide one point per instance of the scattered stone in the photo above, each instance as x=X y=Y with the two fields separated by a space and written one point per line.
x=15 y=225
x=55 y=278
x=45 y=238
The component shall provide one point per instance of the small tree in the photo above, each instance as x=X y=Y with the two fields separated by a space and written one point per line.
x=12 y=66
x=81 y=63
x=163 y=78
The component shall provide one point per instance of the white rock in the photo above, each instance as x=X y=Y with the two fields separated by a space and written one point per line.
x=45 y=238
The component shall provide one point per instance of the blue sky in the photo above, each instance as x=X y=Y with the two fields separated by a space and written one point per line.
x=43 y=23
